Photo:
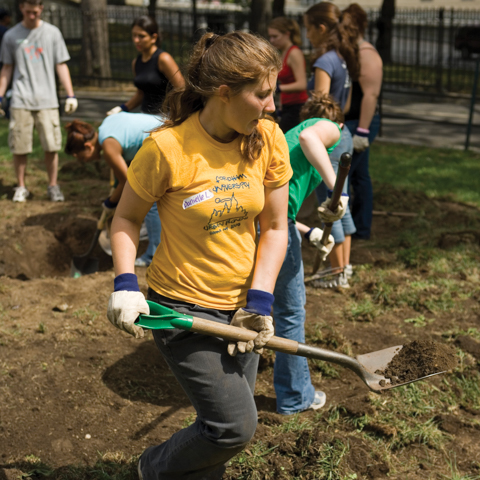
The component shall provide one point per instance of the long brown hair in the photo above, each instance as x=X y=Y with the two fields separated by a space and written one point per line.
x=287 y=25
x=354 y=16
x=236 y=59
x=78 y=133
x=338 y=38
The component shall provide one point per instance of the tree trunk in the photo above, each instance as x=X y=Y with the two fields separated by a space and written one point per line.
x=385 y=30
x=152 y=4
x=95 y=51
x=261 y=14
x=278 y=8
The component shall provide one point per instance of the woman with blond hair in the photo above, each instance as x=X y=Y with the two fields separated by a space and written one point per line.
x=363 y=120
x=335 y=65
x=216 y=167
x=284 y=34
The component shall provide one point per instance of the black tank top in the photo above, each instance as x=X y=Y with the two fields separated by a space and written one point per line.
x=152 y=82
x=357 y=95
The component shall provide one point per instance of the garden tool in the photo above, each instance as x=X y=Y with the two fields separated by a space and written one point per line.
x=365 y=366
x=342 y=174
x=84 y=264
x=330 y=271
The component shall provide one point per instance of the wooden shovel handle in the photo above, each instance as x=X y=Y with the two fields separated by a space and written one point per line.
x=342 y=174
x=236 y=334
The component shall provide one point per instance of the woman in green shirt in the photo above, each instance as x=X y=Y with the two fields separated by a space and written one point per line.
x=309 y=145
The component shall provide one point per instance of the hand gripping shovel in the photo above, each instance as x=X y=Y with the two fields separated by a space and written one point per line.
x=84 y=264
x=364 y=365
x=342 y=174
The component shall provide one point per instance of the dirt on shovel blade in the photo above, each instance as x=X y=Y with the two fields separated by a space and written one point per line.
x=418 y=359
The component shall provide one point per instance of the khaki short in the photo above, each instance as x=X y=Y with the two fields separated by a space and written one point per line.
x=47 y=123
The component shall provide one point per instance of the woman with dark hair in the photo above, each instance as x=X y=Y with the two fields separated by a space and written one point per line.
x=216 y=167
x=118 y=139
x=154 y=69
x=284 y=34
x=363 y=120
x=335 y=65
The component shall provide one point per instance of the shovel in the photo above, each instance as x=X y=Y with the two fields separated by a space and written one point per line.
x=342 y=174
x=364 y=365
x=84 y=264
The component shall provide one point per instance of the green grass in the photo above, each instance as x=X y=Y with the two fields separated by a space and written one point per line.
x=436 y=172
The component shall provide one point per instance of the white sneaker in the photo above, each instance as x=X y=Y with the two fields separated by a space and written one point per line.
x=55 y=194
x=348 y=271
x=21 y=194
x=318 y=401
x=333 y=281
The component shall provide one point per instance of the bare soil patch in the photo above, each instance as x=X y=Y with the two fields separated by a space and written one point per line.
x=75 y=390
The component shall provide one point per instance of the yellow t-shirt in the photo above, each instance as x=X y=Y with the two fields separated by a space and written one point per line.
x=208 y=198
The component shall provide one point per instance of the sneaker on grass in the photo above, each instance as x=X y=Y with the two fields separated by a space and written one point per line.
x=55 y=194
x=21 y=194
x=348 y=271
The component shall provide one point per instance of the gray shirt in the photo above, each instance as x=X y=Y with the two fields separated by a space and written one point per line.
x=336 y=68
x=34 y=53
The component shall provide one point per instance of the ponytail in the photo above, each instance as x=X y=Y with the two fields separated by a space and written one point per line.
x=78 y=133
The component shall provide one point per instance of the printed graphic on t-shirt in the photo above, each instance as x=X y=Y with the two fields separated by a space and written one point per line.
x=232 y=183
x=33 y=53
x=229 y=214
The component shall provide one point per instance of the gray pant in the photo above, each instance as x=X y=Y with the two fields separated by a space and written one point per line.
x=220 y=388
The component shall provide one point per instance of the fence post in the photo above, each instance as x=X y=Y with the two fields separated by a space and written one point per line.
x=440 y=50
x=472 y=103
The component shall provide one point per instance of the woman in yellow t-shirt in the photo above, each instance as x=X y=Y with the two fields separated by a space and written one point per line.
x=214 y=168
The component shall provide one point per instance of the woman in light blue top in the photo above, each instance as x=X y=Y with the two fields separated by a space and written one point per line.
x=119 y=137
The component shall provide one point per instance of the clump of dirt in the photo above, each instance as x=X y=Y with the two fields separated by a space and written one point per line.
x=418 y=359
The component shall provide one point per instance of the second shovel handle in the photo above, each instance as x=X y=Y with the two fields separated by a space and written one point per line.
x=342 y=174
x=237 y=334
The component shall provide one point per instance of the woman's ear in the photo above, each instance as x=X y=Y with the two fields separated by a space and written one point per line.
x=224 y=93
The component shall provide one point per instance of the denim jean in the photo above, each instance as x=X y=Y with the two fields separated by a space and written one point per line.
x=154 y=228
x=220 y=388
x=291 y=375
x=361 y=183
x=345 y=226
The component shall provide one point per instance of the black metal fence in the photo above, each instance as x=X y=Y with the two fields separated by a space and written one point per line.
x=423 y=56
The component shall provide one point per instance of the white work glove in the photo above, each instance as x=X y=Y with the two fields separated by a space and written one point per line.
x=315 y=238
x=360 y=143
x=114 y=110
x=124 y=308
x=254 y=316
x=71 y=104
x=251 y=321
x=327 y=216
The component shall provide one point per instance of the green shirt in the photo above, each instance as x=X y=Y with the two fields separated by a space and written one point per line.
x=305 y=178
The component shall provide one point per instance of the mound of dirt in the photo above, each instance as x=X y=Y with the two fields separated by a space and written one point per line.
x=418 y=359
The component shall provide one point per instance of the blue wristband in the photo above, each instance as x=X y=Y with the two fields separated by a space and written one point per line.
x=1 y=99
x=307 y=235
x=259 y=302
x=110 y=204
x=71 y=96
x=126 y=281
x=124 y=107
x=330 y=193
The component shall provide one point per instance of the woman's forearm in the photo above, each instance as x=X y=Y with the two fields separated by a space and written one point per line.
x=367 y=109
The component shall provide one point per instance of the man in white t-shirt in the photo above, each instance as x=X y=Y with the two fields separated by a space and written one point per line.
x=32 y=51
